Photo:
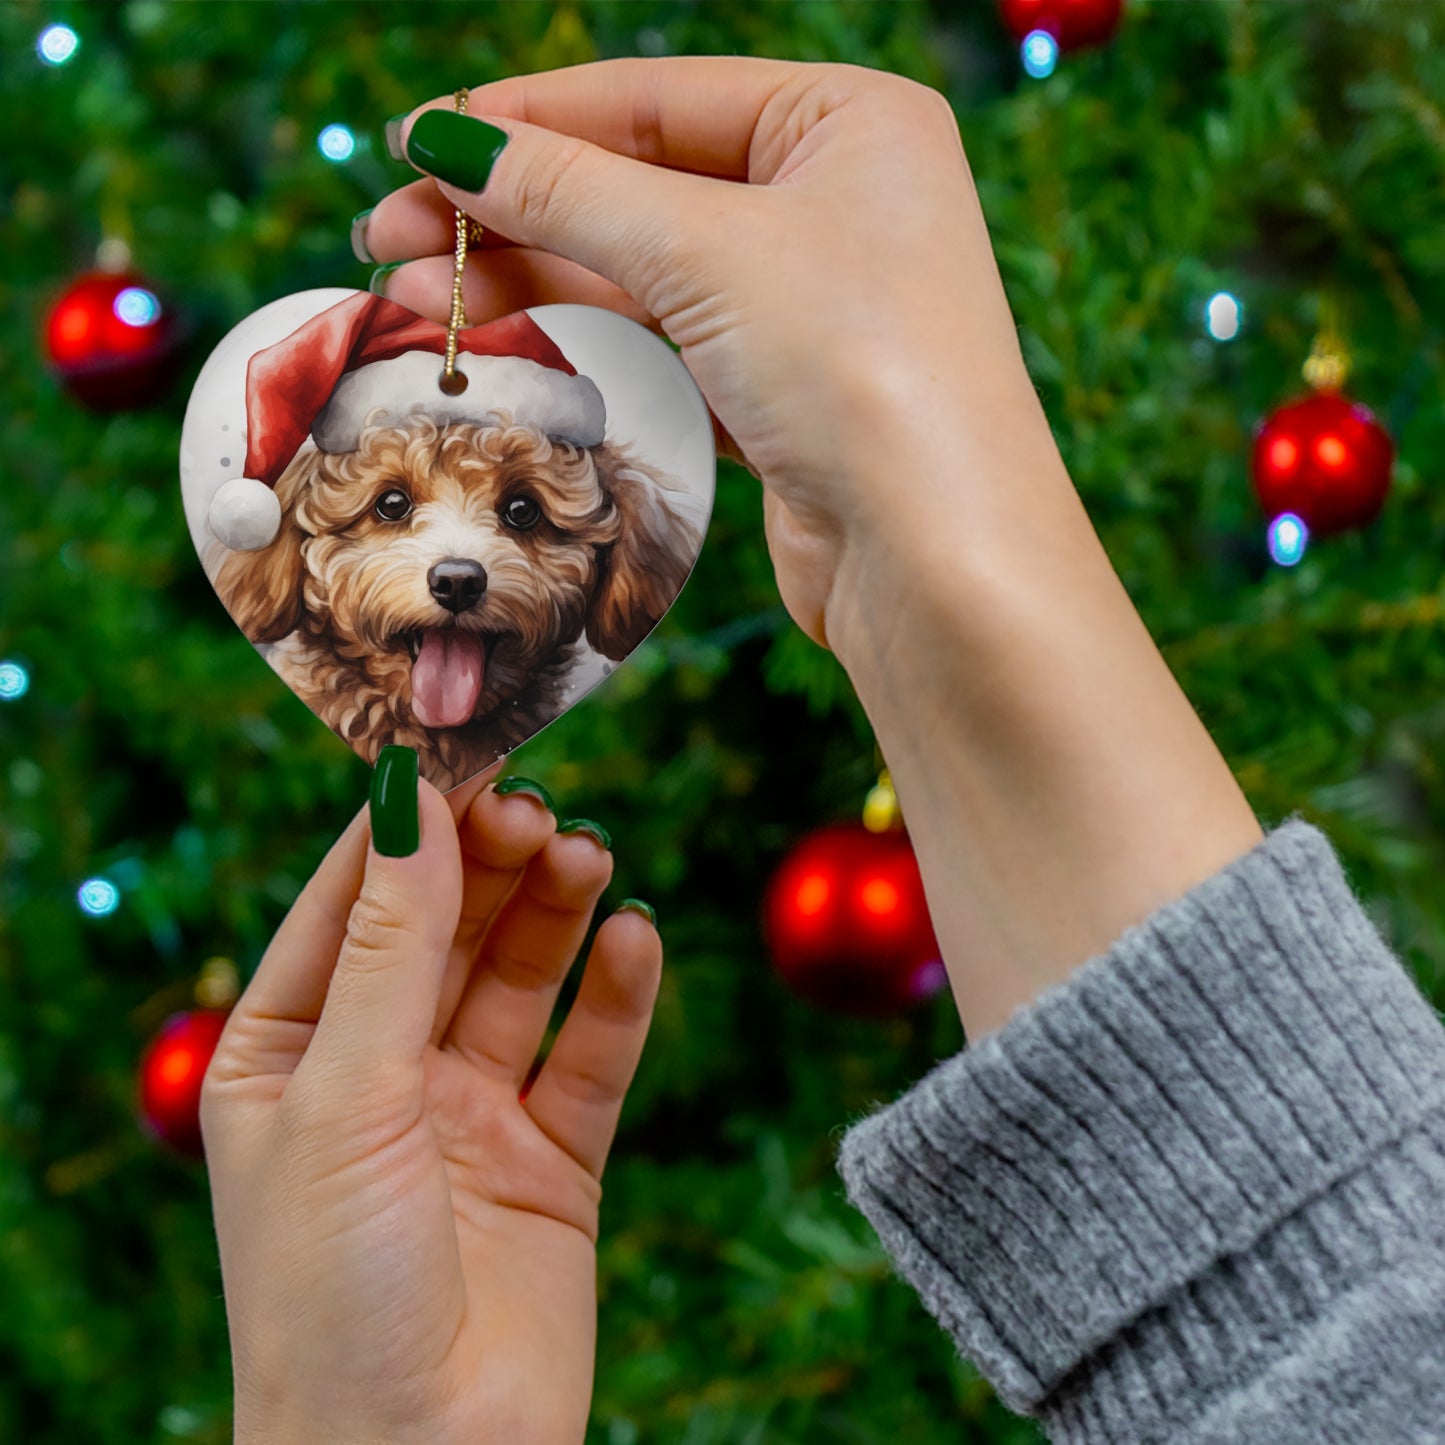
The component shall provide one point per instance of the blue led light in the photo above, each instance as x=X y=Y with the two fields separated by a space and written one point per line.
x=14 y=681
x=1288 y=538
x=57 y=44
x=98 y=897
x=1223 y=316
x=336 y=143
x=137 y=307
x=1040 y=52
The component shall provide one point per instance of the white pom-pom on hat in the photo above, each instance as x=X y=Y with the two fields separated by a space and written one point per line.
x=244 y=515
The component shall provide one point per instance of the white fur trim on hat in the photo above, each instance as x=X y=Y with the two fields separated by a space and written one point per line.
x=245 y=515
x=568 y=408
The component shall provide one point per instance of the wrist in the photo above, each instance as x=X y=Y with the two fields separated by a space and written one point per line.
x=1057 y=784
x=947 y=525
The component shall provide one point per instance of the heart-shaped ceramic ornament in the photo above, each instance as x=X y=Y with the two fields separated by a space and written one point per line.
x=451 y=572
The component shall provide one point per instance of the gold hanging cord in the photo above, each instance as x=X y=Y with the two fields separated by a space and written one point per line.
x=452 y=381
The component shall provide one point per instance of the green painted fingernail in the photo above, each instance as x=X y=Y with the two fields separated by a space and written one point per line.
x=395 y=826
x=359 y=248
x=586 y=825
x=377 y=284
x=392 y=132
x=515 y=784
x=455 y=148
x=636 y=905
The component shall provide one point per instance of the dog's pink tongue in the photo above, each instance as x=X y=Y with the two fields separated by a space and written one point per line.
x=446 y=678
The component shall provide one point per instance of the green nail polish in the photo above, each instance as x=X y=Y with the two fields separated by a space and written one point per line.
x=377 y=284
x=636 y=905
x=395 y=827
x=392 y=132
x=515 y=784
x=359 y=248
x=455 y=148
x=586 y=825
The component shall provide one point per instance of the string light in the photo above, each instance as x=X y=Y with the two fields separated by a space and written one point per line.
x=1223 y=316
x=1040 y=52
x=336 y=143
x=1288 y=538
x=14 y=681
x=136 y=306
x=98 y=897
x=57 y=44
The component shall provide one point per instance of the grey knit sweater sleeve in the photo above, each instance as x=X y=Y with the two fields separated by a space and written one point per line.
x=1196 y=1192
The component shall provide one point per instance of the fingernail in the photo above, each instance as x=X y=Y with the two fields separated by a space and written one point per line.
x=586 y=825
x=377 y=284
x=395 y=827
x=359 y=248
x=636 y=905
x=515 y=784
x=393 y=136
x=455 y=148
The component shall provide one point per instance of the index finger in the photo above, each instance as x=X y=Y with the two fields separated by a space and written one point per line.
x=696 y=113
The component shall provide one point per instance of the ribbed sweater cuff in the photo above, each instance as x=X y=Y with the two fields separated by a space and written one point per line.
x=1141 y=1167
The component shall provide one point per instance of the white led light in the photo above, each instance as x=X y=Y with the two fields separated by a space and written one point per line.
x=1288 y=538
x=1040 y=52
x=98 y=897
x=57 y=44
x=336 y=143
x=1223 y=316
x=14 y=681
x=137 y=307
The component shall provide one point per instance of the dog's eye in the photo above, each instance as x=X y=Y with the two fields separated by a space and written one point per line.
x=521 y=513
x=393 y=506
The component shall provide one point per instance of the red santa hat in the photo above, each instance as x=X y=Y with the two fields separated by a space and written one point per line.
x=370 y=360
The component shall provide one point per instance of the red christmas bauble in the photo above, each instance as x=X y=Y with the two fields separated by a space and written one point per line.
x=1324 y=458
x=847 y=923
x=171 y=1071
x=1073 y=23
x=111 y=341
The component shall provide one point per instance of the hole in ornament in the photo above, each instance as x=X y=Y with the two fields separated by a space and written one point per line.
x=453 y=385
x=225 y=426
x=225 y=461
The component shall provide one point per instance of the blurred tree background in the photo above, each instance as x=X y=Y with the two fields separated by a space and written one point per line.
x=1291 y=154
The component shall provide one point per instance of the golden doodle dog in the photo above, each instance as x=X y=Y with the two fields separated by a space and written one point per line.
x=434 y=585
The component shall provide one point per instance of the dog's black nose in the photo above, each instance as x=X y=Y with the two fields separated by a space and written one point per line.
x=457 y=583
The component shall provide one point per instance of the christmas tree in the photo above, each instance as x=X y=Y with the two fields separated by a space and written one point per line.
x=1180 y=214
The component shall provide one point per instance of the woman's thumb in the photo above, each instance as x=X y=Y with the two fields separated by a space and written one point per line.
x=382 y=1000
x=628 y=221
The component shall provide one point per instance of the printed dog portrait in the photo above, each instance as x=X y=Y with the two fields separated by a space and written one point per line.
x=444 y=559
x=433 y=586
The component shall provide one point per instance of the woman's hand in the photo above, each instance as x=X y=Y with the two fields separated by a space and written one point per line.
x=810 y=237
x=407 y=1247
x=840 y=304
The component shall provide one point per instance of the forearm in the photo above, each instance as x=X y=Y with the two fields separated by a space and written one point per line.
x=1057 y=784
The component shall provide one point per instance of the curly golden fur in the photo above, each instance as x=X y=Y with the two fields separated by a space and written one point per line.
x=344 y=592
